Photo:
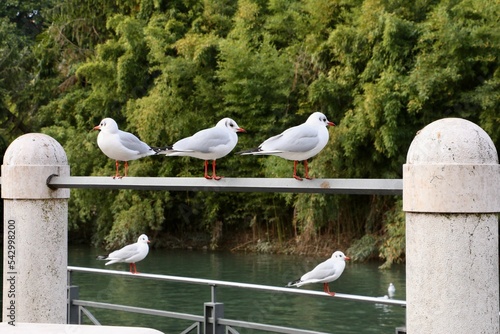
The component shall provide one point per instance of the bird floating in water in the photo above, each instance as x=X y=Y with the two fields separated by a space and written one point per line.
x=391 y=290
x=129 y=254
x=120 y=145
x=325 y=272
x=208 y=144
x=298 y=143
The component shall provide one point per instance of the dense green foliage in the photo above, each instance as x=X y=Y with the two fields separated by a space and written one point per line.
x=380 y=69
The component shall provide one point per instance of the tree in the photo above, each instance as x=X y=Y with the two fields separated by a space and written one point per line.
x=380 y=69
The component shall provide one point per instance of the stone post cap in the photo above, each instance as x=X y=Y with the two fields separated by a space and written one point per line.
x=31 y=159
x=452 y=141
x=452 y=166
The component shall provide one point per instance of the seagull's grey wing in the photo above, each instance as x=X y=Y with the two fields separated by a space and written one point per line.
x=124 y=253
x=203 y=141
x=322 y=270
x=131 y=142
x=302 y=138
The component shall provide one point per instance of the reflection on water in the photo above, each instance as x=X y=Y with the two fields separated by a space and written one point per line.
x=314 y=313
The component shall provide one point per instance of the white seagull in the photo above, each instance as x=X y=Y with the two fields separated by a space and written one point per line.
x=325 y=272
x=297 y=143
x=120 y=145
x=129 y=254
x=391 y=290
x=207 y=144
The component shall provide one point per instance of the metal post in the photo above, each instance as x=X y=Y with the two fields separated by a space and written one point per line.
x=73 y=310
x=35 y=231
x=451 y=195
x=213 y=311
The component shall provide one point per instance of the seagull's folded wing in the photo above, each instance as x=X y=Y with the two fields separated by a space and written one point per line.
x=131 y=142
x=302 y=138
x=321 y=271
x=203 y=141
x=124 y=253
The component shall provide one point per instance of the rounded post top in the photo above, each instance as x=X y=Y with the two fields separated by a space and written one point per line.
x=35 y=149
x=33 y=158
x=452 y=167
x=452 y=141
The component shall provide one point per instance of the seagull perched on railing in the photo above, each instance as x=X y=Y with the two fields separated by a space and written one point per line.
x=129 y=254
x=298 y=143
x=207 y=144
x=120 y=145
x=325 y=272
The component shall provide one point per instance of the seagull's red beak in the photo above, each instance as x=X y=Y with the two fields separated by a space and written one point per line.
x=329 y=123
x=148 y=241
x=240 y=130
x=97 y=127
x=347 y=258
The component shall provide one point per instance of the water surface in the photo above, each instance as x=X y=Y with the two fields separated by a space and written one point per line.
x=314 y=313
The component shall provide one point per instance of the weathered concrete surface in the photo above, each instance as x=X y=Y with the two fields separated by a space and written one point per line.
x=35 y=231
x=24 y=328
x=451 y=195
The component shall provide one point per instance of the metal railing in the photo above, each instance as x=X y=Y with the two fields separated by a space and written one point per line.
x=212 y=322
x=284 y=185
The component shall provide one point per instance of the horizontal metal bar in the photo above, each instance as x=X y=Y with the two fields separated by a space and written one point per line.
x=286 y=185
x=141 y=310
x=209 y=282
x=190 y=317
x=265 y=327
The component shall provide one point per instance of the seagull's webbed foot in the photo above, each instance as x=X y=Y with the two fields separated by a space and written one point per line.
x=326 y=288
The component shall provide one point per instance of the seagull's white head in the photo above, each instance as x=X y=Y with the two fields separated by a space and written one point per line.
x=319 y=118
x=338 y=255
x=230 y=124
x=143 y=239
x=108 y=125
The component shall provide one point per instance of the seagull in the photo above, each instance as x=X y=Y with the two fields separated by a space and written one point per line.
x=391 y=290
x=129 y=254
x=297 y=143
x=120 y=145
x=207 y=144
x=325 y=272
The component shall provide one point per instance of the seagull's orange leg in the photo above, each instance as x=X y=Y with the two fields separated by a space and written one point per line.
x=295 y=176
x=306 y=167
x=206 y=170
x=133 y=268
x=326 y=288
x=214 y=175
x=117 y=173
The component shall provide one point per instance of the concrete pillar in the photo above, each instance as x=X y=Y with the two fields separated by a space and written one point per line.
x=451 y=195
x=35 y=232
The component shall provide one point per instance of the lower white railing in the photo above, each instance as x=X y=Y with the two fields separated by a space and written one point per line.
x=212 y=321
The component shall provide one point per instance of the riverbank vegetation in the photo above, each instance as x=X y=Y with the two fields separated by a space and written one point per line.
x=381 y=70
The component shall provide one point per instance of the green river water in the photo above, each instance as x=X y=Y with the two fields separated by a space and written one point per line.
x=314 y=313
